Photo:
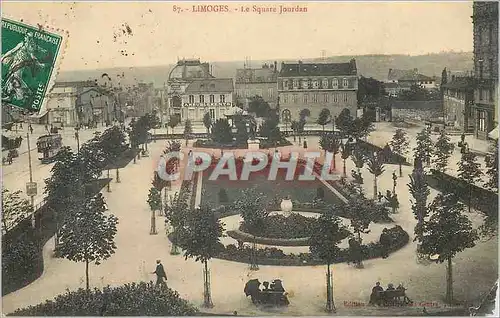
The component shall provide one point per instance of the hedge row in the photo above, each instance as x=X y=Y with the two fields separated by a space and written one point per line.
x=143 y=299
x=245 y=237
x=264 y=144
x=483 y=200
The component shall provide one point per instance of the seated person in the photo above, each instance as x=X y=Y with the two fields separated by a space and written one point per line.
x=278 y=286
x=400 y=287
x=266 y=286
x=375 y=295
x=390 y=286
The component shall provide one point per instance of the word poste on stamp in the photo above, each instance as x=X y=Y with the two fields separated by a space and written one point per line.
x=29 y=55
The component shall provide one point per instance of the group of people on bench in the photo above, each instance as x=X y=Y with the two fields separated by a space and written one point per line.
x=275 y=286
x=379 y=296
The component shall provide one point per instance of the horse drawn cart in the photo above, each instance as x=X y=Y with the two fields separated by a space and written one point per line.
x=272 y=295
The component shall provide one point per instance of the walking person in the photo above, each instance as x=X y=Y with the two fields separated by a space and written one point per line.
x=31 y=129
x=160 y=274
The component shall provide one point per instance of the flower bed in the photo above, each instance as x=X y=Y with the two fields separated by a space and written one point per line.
x=275 y=256
x=284 y=227
x=245 y=237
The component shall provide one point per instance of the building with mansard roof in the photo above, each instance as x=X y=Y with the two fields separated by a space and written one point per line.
x=315 y=86
x=263 y=82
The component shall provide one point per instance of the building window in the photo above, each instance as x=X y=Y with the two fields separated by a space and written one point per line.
x=325 y=97
x=481 y=120
x=335 y=100
x=295 y=83
x=481 y=69
x=490 y=35
x=285 y=85
x=270 y=93
x=191 y=99
x=306 y=97
x=315 y=84
x=325 y=83
x=315 y=98
x=481 y=94
x=335 y=83
x=222 y=98
x=345 y=83
x=285 y=98
x=294 y=98
x=212 y=99
x=202 y=98
x=492 y=95
x=345 y=97
x=212 y=114
x=491 y=69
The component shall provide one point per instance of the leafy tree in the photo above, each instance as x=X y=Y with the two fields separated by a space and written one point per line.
x=14 y=209
x=173 y=121
x=133 y=134
x=425 y=148
x=447 y=233
x=304 y=113
x=369 y=89
x=469 y=170
x=87 y=235
x=324 y=117
x=200 y=238
x=346 y=152
x=327 y=234
x=127 y=300
x=399 y=145
x=161 y=184
x=344 y=121
x=259 y=106
x=419 y=93
x=419 y=189
x=492 y=169
x=330 y=143
x=221 y=131
x=252 y=207
x=175 y=214
x=443 y=150
x=154 y=201
x=271 y=130
x=188 y=130
x=358 y=157
x=207 y=122
x=376 y=167
x=241 y=133
x=361 y=216
x=360 y=127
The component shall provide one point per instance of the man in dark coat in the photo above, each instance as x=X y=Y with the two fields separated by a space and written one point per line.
x=375 y=297
x=160 y=274
x=385 y=241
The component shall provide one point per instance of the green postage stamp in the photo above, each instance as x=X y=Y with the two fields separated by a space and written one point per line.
x=30 y=56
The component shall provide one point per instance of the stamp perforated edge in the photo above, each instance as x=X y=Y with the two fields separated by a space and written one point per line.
x=60 y=56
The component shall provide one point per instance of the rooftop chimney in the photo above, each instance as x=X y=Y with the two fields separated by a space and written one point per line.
x=275 y=66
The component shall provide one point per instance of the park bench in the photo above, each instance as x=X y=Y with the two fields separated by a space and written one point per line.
x=266 y=297
x=395 y=297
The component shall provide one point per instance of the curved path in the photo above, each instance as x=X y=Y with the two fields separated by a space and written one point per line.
x=137 y=251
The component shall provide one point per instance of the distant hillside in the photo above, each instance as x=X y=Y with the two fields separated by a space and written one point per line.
x=376 y=66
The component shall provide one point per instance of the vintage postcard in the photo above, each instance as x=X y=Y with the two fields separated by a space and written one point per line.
x=258 y=158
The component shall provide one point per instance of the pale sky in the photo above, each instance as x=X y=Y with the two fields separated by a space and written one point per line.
x=160 y=35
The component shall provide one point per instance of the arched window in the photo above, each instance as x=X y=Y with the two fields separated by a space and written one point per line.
x=335 y=83
x=345 y=83
x=325 y=83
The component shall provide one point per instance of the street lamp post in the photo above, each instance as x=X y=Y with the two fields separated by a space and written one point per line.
x=31 y=186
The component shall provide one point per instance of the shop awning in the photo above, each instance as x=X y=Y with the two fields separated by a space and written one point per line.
x=39 y=115
x=494 y=133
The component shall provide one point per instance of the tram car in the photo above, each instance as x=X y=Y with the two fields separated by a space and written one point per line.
x=48 y=147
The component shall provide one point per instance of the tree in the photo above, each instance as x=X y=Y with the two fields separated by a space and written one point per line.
x=304 y=113
x=369 y=89
x=346 y=152
x=294 y=125
x=173 y=121
x=447 y=233
x=492 y=169
x=14 y=210
x=419 y=93
x=330 y=143
x=419 y=189
x=361 y=216
x=200 y=238
x=221 y=131
x=259 y=106
x=188 y=130
x=358 y=157
x=327 y=234
x=252 y=207
x=207 y=122
x=469 y=171
x=376 y=167
x=133 y=135
x=241 y=136
x=344 y=121
x=175 y=213
x=301 y=126
x=271 y=130
x=87 y=235
x=360 y=127
x=324 y=117
x=154 y=201
x=399 y=145
x=442 y=151
x=425 y=147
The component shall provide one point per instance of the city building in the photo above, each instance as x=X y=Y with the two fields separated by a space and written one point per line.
x=210 y=95
x=180 y=77
x=400 y=80
x=263 y=82
x=315 y=86
x=78 y=102
x=485 y=108
x=458 y=97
